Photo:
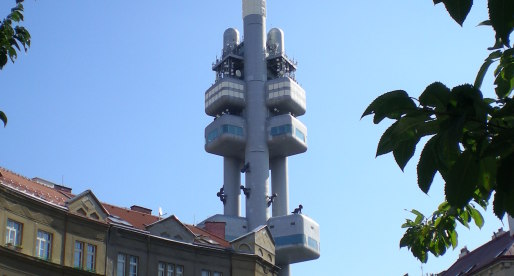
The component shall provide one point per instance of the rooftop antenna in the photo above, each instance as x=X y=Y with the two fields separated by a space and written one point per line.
x=161 y=214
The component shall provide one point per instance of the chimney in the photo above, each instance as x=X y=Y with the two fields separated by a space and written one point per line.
x=216 y=228
x=463 y=252
x=141 y=209
x=511 y=225
x=497 y=234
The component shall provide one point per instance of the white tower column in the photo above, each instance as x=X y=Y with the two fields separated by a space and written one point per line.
x=280 y=186
x=231 y=183
x=256 y=152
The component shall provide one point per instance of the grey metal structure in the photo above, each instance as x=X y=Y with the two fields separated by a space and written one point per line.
x=255 y=102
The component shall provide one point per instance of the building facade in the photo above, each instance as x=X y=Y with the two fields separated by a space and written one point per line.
x=47 y=230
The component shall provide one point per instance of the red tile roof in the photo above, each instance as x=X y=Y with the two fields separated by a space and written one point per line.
x=32 y=188
x=137 y=219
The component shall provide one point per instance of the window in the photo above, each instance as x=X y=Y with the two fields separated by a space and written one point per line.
x=43 y=245
x=84 y=253
x=179 y=270
x=300 y=135
x=235 y=130
x=77 y=254
x=210 y=273
x=121 y=265
x=13 y=232
x=133 y=266
x=90 y=257
x=281 y=130
x=212 y=135
x=127 y=265
x=168 y=269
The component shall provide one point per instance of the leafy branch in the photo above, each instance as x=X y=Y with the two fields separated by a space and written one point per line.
x=12 y=35
x=471 y=139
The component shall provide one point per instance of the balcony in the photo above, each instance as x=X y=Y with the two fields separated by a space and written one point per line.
x=286 y=136
x=227 y=93
x=296 y=238
x=285 y=95
x=226 y=136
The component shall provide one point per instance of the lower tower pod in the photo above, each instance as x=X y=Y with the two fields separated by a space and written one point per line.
x=226 y=136
x=296 y=238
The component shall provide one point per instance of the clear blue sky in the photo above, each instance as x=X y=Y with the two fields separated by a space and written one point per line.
x=110 y=97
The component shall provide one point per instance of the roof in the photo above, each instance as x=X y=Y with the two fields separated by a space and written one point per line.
x=207 y=238
x=138 y=219
x=500 y=247
x=118 y=215
x=32 y=188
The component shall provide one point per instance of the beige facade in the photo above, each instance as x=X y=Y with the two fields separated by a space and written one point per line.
x=63 y=229
x=45 y=231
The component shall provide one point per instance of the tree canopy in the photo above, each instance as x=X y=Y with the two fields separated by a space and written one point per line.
x=471 y=139
x=13 y=37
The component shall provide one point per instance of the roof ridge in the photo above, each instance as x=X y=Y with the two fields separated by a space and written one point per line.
x=127 y=209
x=19 y=175
x=205 y=230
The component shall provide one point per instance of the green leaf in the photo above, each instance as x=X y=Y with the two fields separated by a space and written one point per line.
x=435 y=95
x=458 y=9
x=483 y=69
x=502 y=19
x=404 y=152
x=505 y=74
x=427 y=165
x=505 y=182
x=462 y=180
x=498 y=205
x=453 y=238
x=485 y=23
x=477 y=217
x=3 y=118
x=404 y=129
x=392 y=105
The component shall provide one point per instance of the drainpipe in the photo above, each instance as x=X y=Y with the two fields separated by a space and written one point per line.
x=65 y=234
x=108 y=242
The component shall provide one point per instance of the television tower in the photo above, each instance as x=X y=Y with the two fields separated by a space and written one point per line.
x=255 y=102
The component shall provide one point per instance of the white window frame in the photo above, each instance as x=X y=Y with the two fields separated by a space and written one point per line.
x=44 y=244
x=90 y=264
x=121 y=263
x=133 y=263
x=13 y=232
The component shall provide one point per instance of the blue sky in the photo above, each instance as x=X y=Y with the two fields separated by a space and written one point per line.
x=110 y=98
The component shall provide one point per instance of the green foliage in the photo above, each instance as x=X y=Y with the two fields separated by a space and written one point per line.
x=458 y=9
x=11 y=37
x=471 y=139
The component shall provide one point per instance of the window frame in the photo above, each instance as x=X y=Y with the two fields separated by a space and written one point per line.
x=84 y=254
x=127 y=265
x=176 y=269
x=136 y=258
x=17 y=240
x=118 y=264
x=48 y=241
